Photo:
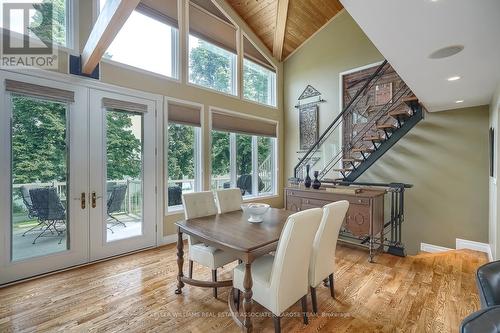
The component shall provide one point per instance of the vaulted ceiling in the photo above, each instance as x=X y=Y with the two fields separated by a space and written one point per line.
x=283 y=25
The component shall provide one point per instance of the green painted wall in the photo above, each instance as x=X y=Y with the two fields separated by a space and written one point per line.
x=445 y=156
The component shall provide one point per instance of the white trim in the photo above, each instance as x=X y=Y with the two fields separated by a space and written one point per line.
x=170 y=239
x=433 y=248
x=314 y=34
x=475 y=246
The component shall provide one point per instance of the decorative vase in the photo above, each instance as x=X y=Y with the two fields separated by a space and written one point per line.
x=307 y=181
x=316 y=183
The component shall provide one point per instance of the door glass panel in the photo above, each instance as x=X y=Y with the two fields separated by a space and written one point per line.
x=124 y=185
x=40 y=143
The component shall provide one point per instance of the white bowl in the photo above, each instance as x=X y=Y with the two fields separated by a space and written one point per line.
x=256 y=211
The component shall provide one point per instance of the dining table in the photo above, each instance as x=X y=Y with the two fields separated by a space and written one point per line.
x=232 y=232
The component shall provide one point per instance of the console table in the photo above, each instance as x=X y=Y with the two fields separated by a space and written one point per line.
x=364 y=219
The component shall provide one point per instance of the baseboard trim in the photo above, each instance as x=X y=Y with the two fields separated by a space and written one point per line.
x=475 y=246
x=433 y=248
x=170 y=239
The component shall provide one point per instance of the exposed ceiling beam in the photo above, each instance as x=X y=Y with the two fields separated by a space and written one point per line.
x=113 y=16
x=279 y=33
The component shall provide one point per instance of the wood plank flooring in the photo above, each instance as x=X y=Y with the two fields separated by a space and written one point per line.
x=424 y=293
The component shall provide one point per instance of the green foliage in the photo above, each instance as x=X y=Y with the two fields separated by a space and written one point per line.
x=123 y=149
x=256 y=82
x=243 y=154
x=180 y=151
x=38 y=140
x=210 y=68
x=41 y=28
x=39 y=143
x=220 y=153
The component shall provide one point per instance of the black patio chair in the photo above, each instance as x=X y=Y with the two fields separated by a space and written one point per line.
x=32 y=214
x=50 y=210
x=244 y=183
x=174 y=195
x=115 y=202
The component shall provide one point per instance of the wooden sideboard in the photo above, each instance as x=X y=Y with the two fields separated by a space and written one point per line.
x=365 y=216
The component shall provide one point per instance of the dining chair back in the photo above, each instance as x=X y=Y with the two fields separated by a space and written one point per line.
x=322 y=264
x=290 y=266
x=229 y=200
x=198 y=204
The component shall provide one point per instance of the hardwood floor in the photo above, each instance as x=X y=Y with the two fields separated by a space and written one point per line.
x=424 y=293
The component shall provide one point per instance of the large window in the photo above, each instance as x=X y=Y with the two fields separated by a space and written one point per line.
x=212 y=48
x=184 y=153
x=258 y=83
x=149 y=39
x=62 y=22
x=259 y=76
x=243 y=161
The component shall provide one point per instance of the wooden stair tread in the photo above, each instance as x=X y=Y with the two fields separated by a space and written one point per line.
x=400 y=114
x=352 y=160
x=386 y=127
x=344 y=170
x=410 y=99
x=362 y=150
x=372 y=138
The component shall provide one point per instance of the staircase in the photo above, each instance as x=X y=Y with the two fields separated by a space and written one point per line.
x=363 y=132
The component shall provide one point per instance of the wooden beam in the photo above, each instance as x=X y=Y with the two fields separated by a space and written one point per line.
x=113 y=16
x=279 y=32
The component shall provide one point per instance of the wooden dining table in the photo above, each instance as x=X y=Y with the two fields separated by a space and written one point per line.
x=233 y=233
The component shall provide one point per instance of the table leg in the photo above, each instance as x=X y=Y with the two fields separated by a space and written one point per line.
x=247 y=298
x=180 y=261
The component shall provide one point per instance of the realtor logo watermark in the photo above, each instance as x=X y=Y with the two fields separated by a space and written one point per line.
x=27 y=36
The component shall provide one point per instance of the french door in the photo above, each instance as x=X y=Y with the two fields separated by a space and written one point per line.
x=78 y=175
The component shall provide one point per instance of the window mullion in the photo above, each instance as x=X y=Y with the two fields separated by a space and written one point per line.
x=255 y=167
x=232 y=159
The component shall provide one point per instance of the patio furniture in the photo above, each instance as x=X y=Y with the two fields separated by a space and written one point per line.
x=115 y=202
x=50 y=210
x=174 y=195
x=244 y=183
x=32 y=214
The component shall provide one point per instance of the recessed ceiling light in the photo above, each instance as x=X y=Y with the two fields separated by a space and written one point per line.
x=454 y=78
x=459 y=101
x=446 y=52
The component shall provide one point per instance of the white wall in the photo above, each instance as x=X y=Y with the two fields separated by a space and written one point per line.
x=494 y=204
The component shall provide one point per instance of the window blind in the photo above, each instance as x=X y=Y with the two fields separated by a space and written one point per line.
x=116 y=104
x=250 y=52
x=184 y=114
x=164 y=11
x=35 y=90
x=209 y=27
x=232 y=123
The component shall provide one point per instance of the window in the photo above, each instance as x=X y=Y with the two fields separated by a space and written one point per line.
x=184 y=153
x=243 y=154
x=62 y=21
x=149 y=39
x=212 y=48
x=259 y=76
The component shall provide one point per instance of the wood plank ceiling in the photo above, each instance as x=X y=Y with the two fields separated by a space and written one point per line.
x=304 y=18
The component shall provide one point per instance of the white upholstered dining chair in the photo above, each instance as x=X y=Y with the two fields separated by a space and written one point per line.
x=196 y=205
x=281 y=280
x=229 y=200
x=322 y=262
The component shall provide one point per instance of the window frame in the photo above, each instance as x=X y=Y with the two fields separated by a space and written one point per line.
x=255 y=165
x=175 y=37
x=271 y=87
x=198 y=165
x=234 y=70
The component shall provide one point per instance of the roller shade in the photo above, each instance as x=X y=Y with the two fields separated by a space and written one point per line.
x=161 y=10
x=184 y=114
x=251 y=53
x=35 y=90
x=116 y=104
x=230 y=123
x=209 y=27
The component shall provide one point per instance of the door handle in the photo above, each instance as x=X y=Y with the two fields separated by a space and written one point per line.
x=83 y=201
x=94 y=198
